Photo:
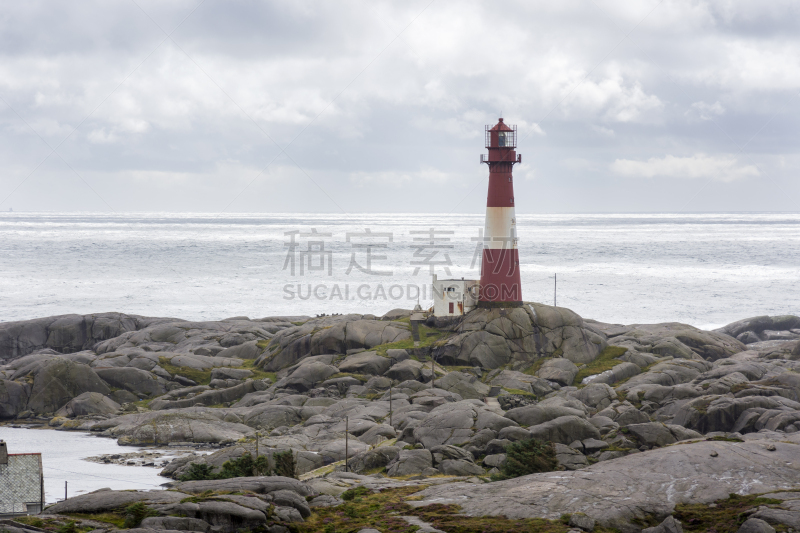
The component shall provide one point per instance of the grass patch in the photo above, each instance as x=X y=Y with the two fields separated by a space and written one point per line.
x=30 y=521
x=520 y=392
x=725 y=517
x=262 y=344
x=56 y=525
x=455 y=368
x=739 y=387
x=534 y=368
x=250 y=365
x=427 y=337
x=143 y=403
x=115 y=519
x=201 y=377
x=725 y=439
x=358 y=492
x=360 y=377
x=382 y=511
x=605 y=361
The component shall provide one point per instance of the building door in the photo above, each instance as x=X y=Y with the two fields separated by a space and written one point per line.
x=451 y=308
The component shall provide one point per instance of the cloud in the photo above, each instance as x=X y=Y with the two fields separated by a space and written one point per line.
x=706 y=111
x=400 y=178
x=363 y=104
x=603 y=131
x=700 y=166
x=615 y=99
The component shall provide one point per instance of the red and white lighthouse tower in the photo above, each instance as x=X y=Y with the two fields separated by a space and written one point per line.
x=500 y=280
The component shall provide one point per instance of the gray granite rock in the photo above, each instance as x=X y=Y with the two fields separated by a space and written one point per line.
x=560 y=370
x=669 y=525
x=365 y=363
x=612 y=492
x=412 y=462
x=565 y=430
x=755 y=525
x=89 y=403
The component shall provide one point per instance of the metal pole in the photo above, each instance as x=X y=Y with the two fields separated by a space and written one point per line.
x=65 y=490
x=555 y=288
x=257 y=435
x=346 y=442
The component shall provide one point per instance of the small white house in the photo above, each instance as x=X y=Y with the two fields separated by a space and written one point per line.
x=21 y=483
x=454 y=297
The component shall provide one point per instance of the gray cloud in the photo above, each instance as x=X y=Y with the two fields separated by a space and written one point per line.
x=382 y=105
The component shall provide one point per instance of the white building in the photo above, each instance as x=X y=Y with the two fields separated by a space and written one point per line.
x=454 y=297
x=21 y=483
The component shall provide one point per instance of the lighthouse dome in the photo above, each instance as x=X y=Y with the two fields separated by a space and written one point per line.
x=501 y=126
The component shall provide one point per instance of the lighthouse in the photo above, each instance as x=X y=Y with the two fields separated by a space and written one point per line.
x=500 y=280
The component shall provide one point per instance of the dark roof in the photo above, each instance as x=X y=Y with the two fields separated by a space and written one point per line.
x=501 y=126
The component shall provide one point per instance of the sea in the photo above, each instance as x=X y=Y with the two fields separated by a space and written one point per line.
x=67 y=472
x=703 y=269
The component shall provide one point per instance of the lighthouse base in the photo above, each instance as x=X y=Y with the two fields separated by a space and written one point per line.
x=498 y=305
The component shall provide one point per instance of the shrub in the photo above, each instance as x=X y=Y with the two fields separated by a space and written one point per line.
x=357 y=492
x=135 y=513
x=284 y=463
x=528 y=456
x=198 y=471
x=241 y=467
x=244 y=466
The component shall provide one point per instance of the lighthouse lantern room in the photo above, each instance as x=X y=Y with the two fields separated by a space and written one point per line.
x=500 y=278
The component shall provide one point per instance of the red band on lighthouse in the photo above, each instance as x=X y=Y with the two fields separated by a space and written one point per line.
x=500 y=278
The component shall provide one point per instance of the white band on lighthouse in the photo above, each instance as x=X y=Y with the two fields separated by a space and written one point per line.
x=500 y=231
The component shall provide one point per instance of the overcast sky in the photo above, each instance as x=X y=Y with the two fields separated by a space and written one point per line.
x=369 y=106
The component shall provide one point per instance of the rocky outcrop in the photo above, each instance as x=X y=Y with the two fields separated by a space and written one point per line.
x=412 y=462
x=629 y=441
x=764 y=328
x=450 y=423
x=492 y=338
x=173 y=425
x=376 y=459
x=336 y=334
x=365 y=363
x=680 y=341
x=248 y=503
x=559 y=370
x=51 y=361
x=615 y=493
x=211 y=397
x=108 y=500
x=56 y=381
x=67 y=333
x=89 y=403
